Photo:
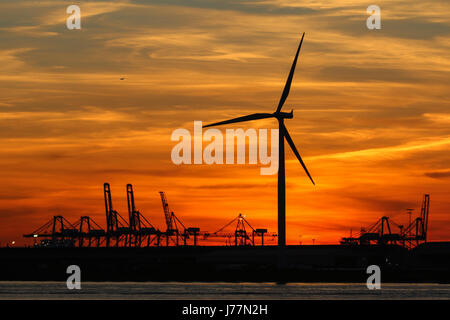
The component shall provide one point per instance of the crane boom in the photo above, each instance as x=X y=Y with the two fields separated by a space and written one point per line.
x=167 y=213
x=132 y=213
x=111 y=218
x=424 y=212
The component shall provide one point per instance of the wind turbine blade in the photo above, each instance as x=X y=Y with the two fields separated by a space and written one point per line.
x=255 y=116
x=287 y=86
x=291 y=143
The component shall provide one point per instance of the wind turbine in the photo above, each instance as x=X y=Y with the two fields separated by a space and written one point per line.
x=283 y=134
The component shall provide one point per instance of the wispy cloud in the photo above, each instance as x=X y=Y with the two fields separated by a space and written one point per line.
x=389 y=152
x=438 y=174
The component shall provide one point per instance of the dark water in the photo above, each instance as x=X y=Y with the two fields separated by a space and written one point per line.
x=178 y=290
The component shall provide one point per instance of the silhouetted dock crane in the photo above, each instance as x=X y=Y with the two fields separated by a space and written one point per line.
x=241 y=236
x=89 y=229
x=172 y=222
x=259 y=232
x=140 y=228
x=116 y=226
x=58 y=233
x=380 y=232
x=417 y=230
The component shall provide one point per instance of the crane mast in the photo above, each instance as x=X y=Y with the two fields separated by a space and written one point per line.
x=172 y=222
x=167 y=212
x=133 y=214
x=114 y=227
x=424 y=213
x=111 y=215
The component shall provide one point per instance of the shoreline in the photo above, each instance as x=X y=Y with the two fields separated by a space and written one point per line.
x=428 y=263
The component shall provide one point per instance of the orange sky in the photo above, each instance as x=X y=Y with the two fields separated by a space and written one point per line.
x=371 y=111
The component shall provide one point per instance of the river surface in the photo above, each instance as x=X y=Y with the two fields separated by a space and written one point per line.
x=219 y=290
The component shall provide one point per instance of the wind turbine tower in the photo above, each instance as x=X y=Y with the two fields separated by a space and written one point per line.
x=283 y=134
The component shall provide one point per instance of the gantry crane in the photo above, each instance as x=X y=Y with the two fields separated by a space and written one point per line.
x=89 y=229
x=417 y=230
x=172 y=222
x=140 y=228
x=57 y=232
x=380 y=232
x=241 y=236
x=116 y=226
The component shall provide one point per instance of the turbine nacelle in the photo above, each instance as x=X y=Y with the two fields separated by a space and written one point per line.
x=284 y=115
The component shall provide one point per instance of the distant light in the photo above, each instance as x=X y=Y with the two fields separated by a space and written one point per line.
x=13 y=242
x=35 y=235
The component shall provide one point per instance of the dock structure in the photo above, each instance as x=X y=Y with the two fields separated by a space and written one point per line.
x=138 y=231
x=381 y=233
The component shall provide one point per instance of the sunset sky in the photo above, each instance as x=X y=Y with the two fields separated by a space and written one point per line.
x=371 y=111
